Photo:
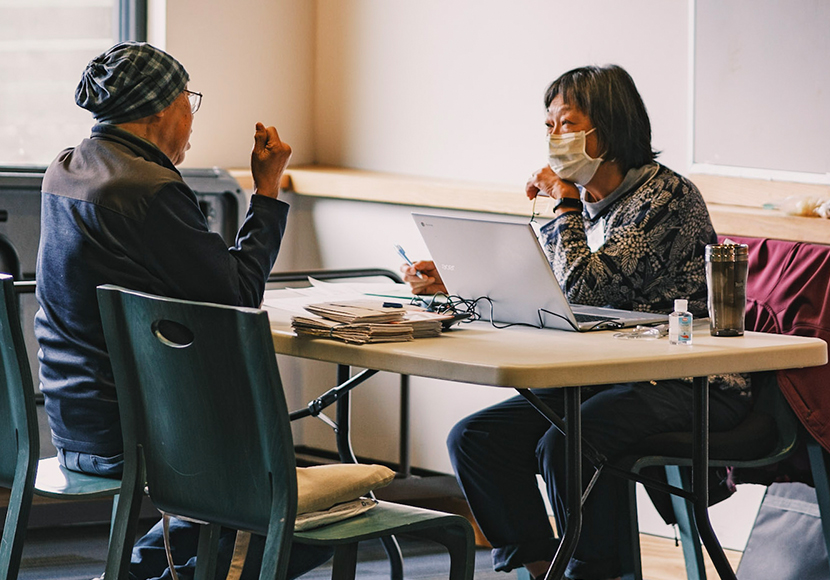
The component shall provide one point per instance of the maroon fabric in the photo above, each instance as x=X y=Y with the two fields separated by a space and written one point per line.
x=787 y=293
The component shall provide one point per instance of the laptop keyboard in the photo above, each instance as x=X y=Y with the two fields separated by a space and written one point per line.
x=592 y=318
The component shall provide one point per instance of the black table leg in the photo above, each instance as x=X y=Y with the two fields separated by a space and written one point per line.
x=404 y=465
x=572 y=428
x=700 y=479
x=344 y=449
x=573 y=486
x=343 y=419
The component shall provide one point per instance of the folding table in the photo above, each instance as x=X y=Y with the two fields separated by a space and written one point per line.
x=527 y=358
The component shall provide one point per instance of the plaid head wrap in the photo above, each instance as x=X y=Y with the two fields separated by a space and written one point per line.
x=130 y=81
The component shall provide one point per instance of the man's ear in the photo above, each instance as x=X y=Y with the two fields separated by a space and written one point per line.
x=156 y=117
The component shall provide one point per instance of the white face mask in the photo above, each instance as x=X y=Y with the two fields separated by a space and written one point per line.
x=567 y=157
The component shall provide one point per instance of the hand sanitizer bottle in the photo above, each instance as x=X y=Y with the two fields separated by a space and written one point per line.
x=680 y=323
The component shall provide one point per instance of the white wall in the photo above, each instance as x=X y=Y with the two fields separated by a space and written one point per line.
x=454 y=89
x=433 y=88
x=253 y=61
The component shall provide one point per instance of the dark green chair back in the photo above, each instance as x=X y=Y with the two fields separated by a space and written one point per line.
x=205 y=423
x=19 y=444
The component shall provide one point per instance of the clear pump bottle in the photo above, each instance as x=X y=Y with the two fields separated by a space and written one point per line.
x=680 y=323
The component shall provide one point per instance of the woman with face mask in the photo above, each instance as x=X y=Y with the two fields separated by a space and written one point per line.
x=607 y=195
x=628 y=233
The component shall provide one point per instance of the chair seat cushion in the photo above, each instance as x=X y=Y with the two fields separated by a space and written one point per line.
x=337 y=513
x=321 y=486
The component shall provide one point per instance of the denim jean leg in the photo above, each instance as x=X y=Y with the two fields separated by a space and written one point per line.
x=613 y=419
x=92 y=464
x=492 y=453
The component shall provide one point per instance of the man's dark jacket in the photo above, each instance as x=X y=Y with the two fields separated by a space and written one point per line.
x=116 y=211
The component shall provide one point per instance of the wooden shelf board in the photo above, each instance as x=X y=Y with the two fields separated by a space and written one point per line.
x=735 y=204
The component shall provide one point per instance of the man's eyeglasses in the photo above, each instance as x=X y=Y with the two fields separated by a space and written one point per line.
x=195 y=100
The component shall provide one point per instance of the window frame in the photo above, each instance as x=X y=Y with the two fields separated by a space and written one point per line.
x=132 y=20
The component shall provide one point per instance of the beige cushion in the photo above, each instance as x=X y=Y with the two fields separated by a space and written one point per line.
x=340 y=512
x=321 y=486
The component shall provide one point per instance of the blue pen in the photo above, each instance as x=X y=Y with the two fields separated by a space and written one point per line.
x=407 y=260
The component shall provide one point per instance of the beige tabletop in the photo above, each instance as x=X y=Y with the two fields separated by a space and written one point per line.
x=531 y=358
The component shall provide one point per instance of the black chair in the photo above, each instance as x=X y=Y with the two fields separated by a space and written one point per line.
x=206 y=428
x=820 y=469
x=9 y=258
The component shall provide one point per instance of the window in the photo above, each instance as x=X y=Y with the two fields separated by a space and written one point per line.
x=44 y=46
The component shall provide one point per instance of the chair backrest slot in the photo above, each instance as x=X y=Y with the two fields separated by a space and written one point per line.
x=172 y=333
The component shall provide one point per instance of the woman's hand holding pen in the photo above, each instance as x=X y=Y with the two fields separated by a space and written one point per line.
x=428 y=283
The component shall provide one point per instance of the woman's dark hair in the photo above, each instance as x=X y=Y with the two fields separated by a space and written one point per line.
x=609 y=97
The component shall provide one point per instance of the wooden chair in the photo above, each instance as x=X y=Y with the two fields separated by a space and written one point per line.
x=206 y=427
x=20 y=468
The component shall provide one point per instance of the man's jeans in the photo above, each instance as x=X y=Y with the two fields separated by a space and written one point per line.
x=93 y=464
x=149 y=559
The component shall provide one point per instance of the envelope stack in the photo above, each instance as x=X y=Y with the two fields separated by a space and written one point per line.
x=361 y=322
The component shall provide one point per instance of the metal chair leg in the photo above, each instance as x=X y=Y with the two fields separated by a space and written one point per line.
x=344 y=448
x=345 y=562
x=689 y=536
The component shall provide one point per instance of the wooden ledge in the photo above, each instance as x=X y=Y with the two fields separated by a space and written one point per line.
x=355 y=184
x=733 y=220
x=735 y=204
x=753 y=192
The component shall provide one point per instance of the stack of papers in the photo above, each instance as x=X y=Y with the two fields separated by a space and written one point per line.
x=367 y=321
x=356 y=333
x=368 y=311
x=424 y=324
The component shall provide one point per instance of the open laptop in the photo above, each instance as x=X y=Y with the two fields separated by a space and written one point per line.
x=505 y=262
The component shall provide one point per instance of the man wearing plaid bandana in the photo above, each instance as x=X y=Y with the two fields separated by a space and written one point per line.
x=115 y=210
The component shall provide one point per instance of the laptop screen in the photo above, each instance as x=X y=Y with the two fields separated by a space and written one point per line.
x=503 y=266
x=502 y=261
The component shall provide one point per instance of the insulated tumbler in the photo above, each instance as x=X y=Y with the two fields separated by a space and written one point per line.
x=726 y=269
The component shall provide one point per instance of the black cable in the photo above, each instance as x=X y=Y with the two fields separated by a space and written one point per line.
x=450 y=304
x=609 y=324
x=493 y=323
x=454 y=305
x=542 y=320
